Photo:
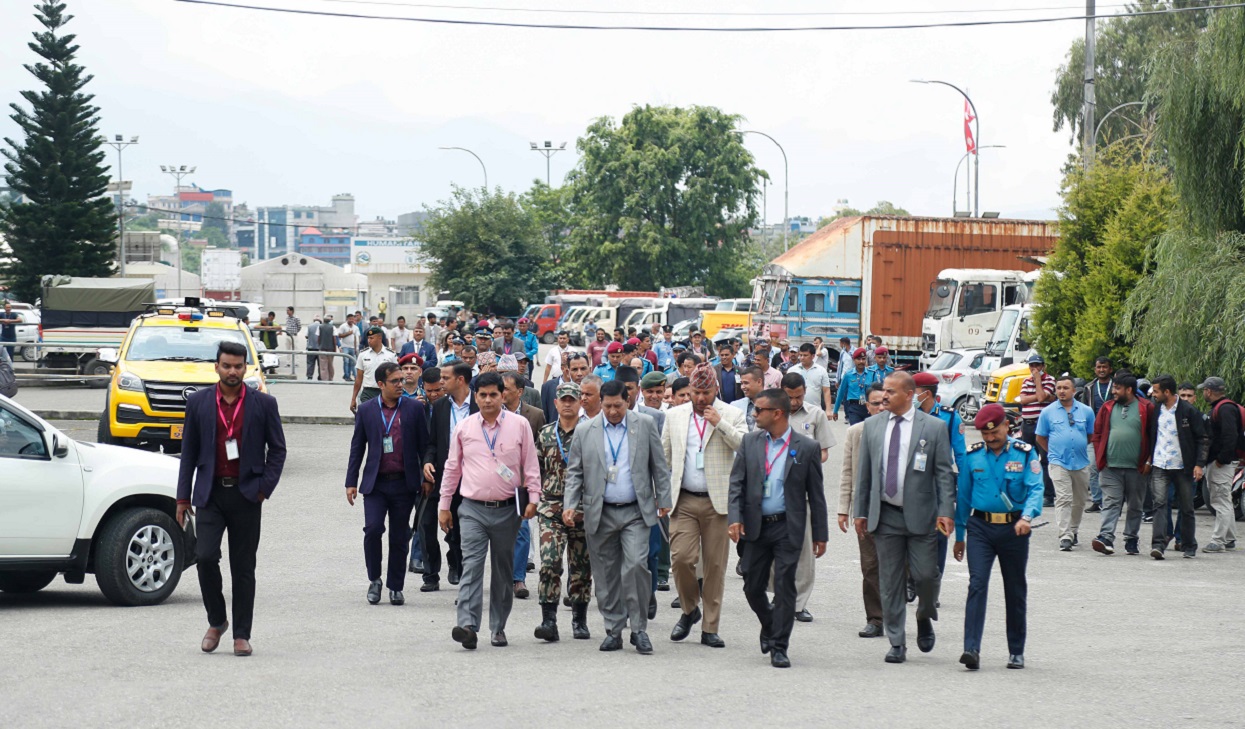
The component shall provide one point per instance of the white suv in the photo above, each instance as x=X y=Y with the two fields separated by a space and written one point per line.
x=68 y=507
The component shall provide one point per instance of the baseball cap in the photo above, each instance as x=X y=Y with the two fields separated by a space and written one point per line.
x=1213 y=383
x=566 y=388
x=1036 y=358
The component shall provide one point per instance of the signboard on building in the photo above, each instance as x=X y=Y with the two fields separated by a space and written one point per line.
x=393 y=253
x=340 y=297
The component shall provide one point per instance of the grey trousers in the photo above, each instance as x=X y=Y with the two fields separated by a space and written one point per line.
x=1120 y=485
x=485 y=529
x=902 y=554
x=618 y=552
x=1219 y=484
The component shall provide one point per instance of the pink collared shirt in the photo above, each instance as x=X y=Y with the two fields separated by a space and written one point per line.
x=471 y=467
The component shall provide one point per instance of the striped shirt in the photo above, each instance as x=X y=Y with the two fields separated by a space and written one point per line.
x=1034 y=409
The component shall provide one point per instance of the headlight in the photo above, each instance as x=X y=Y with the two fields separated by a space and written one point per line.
x=128 y=381
x=251 y=382
x=1003 y=389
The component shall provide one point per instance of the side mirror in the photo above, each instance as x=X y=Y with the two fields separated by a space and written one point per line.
x=59 y=449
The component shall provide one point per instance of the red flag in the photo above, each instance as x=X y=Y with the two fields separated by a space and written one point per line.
x=970 y=144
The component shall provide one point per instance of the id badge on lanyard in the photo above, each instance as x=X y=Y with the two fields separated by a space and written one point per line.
x=231 y=443
x=920 y=460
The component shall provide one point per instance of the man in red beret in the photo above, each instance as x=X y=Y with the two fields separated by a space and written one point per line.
x=853 y=386
x=412 y=366
x=999 y=494
x=614 y=355
x=881 y=367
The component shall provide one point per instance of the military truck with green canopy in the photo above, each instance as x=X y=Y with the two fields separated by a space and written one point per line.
x=84 y=320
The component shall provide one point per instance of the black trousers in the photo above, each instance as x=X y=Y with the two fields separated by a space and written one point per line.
x=312 y=360
x=430 y=536
x=454 y=538
x=773 y=546
x=393 y=500
x=1028 y=433
x=856 y=413
x=985 y=543
x=227 y=510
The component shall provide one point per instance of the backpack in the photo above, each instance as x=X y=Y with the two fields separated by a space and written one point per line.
x=1240 y=434
x=8 y=382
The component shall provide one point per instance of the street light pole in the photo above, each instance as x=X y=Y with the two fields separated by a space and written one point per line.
x=548 y=150
x=955 y=185
x=118 y=142
x=976 y=142
x=473 y=154
x=786 y=183
x=178 y=173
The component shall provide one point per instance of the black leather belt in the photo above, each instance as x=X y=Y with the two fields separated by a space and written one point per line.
x=996 y=518
x=702 y=494
x=391 y=476
x=492 y=504
x=621 y=503
x=774 y=518
x=225 y=482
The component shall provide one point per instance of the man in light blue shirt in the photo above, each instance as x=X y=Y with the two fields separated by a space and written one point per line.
x=773 y=498
x=620 y=490
x=1063 y=430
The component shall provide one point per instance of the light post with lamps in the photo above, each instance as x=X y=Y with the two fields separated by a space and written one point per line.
x=955 y=185
x=473 y=154
x=786 y=183
x=548 y=150
x=976 y=141
x=178 y=173
x=118 y=142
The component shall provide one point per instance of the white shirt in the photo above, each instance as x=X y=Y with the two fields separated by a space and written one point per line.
x=369 y=359
x=693 y=477
x=348 y=335
x=458 y=413
x=554 y=360
x=904 y=423
x=399 y=336
x=1167 y=444
x=816 y=379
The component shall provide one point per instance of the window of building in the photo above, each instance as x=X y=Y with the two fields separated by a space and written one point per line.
x=849 y=304
x=814 y=302
x=404 y=295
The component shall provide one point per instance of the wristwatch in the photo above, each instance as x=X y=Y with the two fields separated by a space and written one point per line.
x=1027 y=519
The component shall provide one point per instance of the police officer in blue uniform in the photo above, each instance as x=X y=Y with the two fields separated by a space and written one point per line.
x=853 y=389
x=881 y=367
x=927 y=400
x=1000 y=493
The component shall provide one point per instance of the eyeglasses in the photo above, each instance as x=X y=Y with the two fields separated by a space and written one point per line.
x=393 y=381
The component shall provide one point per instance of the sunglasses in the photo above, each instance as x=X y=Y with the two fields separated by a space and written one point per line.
x=757 y=409
x=393 y=381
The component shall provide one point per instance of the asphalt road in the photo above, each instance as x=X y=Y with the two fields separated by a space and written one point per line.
x=1121 y=640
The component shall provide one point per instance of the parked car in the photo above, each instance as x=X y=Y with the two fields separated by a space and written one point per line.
x=27 y=333
x=69 y=507
x=959 y=380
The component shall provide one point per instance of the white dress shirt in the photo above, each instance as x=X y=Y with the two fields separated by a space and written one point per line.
x=904 y=423
x=693 y=477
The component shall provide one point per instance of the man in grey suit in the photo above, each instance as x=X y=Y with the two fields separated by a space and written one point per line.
x=905 y=495
x=618 y=485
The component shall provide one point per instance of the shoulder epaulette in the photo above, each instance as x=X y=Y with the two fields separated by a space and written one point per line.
x=946 y=409
x=977 y=446
x=1020 y=445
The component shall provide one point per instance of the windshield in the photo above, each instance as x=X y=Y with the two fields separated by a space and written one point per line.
x=941 y=299
x=532 y=311
x=1002 y=332
x=945 y=361
x=178 y=344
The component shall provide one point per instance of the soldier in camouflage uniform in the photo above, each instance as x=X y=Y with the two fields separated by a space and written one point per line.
x=554 y=444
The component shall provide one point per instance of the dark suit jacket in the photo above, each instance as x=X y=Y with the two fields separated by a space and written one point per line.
x=369 y=431
x=261 y=446
x=425 y=350
x=803 y=489
x=549 y=399
x=438 y=446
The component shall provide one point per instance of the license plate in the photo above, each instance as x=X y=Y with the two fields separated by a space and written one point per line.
x=175 y=432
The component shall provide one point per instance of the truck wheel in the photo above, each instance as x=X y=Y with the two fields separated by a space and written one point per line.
x=172 y=447
x=25 y=582
x=96 y=367
x=103 y=434
x=550 y=337
x=139 y=557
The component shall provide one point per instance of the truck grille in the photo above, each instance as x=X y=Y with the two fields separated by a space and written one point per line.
x=170 y=397
x=927 y=342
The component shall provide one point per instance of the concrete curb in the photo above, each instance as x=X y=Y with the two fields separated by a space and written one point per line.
x=287 y=419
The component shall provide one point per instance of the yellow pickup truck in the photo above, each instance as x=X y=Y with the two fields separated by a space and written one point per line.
x=728 y=314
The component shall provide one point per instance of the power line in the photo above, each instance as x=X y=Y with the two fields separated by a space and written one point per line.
x=175 y=211
x=713 y=13
x=709 y=29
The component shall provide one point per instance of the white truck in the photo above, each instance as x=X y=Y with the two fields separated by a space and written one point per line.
x=669 y=311
x=1010 y=340
x=964 y=304
x=69 y=507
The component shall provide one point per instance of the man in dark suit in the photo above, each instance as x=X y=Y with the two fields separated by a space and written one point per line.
x=447 y=413
x=575 y=369
x=233 y=450
x=420 y=346
x=776 y=484
x=394 y=432
x=905 y=495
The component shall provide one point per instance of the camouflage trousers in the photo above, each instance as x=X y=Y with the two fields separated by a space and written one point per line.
x=555 y=538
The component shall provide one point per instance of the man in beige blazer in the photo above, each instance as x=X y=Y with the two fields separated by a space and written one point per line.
x=868 y=552
x=699 y=441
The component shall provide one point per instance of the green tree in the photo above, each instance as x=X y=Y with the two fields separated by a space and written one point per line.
x=551 y=211
x=1108 y=217
x=664 y=198
x=214 y=218
x=883 y=207
x=65 y=225
x=486 y=249
x=215 y=237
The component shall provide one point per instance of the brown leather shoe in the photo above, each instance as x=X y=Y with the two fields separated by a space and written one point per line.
x=241 y=647
x=211 y=639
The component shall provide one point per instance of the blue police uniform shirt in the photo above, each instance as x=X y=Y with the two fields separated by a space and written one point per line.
x=1067 y=434
x=604 y=371
x=1016 y=471
x=665 y=355
x=531 y=345
x=956 y=429
x=873 y=373
x=620 y=490
x=776 y=452
x=851 y=388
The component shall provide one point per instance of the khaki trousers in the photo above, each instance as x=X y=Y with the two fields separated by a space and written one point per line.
x=697 y=530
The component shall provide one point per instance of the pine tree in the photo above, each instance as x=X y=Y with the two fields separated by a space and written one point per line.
x=64 y=224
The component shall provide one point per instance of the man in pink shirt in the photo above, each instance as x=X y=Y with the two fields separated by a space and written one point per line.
x=492 y=464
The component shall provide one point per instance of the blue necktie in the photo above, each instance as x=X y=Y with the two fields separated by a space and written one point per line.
x=892 y=459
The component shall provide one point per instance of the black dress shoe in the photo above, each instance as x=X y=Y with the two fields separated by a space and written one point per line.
x=713 y=640
x=396 y=598
x=779 y=659
x=641 y=642
x=466 y=636
x=871 y=631
x=430 y=587
x=675 y=603
x=911 y=591
x=739 y=568
x=804 y=616
x=373 y=592
x=684 y=627
x=455 y=575
x=652 y=606
x=925 y=635
x=611 y=643
x=499 y=639
x=767 y=644
x=897 y=654
x=530 y=566
x=1016 y=660
x=971 y=660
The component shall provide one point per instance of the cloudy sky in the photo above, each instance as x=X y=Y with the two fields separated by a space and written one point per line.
x=292 y=109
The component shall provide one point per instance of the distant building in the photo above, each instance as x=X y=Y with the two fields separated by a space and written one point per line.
x=395 y=269
x=411 y=224
x=190 y=204
x=277 y=227
x=311 y=286
x=330 y=247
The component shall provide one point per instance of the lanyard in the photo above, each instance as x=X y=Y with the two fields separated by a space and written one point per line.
x=561 y=449
x=492 y=444
x=388 y=423
x=233 y=416
x=614 y=450
x=701 y=425
x=770 y=463
x=1100 y=392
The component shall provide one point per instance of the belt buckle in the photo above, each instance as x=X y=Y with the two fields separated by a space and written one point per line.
x=998 y=518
